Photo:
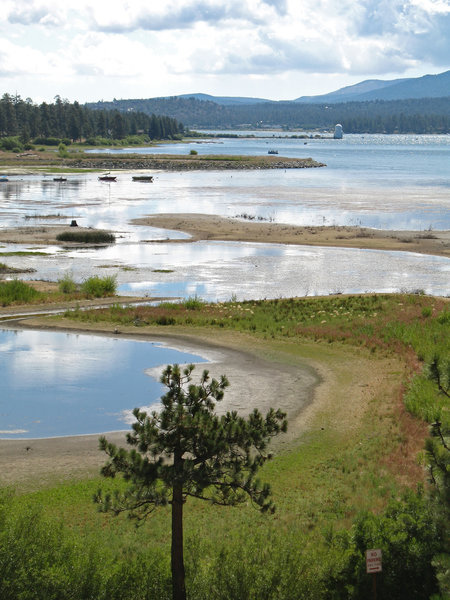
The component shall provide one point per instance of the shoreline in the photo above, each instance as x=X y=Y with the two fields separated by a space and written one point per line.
x=164 y=162
x=262 y=374
x=216 y=228
x=44 y=460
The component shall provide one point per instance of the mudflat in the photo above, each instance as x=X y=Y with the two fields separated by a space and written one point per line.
x=212 y=227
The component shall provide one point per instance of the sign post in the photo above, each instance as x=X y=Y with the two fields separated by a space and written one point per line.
x=374 y=566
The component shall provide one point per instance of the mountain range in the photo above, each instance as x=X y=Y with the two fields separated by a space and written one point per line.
x=428 y=86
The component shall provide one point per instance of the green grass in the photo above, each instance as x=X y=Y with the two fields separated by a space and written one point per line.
x=86 y=237
x=23 y=253
x=92 y=287
x=15 y=291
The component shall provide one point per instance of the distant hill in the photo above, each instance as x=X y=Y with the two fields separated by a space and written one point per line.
x=428 y=86
x=420 y=105
x=224 y=100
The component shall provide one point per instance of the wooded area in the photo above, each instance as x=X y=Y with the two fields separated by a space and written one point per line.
x=74 y=122
x=425 y=115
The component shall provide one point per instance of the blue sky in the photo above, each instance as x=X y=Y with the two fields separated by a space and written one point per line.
x=277 y=49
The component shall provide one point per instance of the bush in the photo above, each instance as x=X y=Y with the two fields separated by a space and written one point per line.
x=86 y=237
x=193 y=152
x=409 y=539
x=193 y=303
x=62 y=150
x=52 y=141
x=16 y=291
x=99 y=286
x=67 y=285
x=11 y=143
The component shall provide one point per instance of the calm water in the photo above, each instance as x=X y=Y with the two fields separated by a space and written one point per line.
x=220 y=270
x=57 y=384
x=387 y=182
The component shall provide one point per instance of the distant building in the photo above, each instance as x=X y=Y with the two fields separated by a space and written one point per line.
x=338 y=133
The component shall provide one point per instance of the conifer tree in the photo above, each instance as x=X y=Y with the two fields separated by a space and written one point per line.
x=186 y=449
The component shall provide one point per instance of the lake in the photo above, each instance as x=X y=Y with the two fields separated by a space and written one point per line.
x=54 y=384
x=385 y=182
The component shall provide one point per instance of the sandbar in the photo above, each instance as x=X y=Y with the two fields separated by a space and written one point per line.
x=212 y=227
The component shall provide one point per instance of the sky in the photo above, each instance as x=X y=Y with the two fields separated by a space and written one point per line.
x=275 y=49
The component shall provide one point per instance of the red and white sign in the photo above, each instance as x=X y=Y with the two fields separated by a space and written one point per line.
x=373 y=561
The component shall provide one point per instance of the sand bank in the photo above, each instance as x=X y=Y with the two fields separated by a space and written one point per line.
x=211 y=227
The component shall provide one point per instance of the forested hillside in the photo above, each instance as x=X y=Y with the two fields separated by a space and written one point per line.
x=426 y=115
x=74 y=122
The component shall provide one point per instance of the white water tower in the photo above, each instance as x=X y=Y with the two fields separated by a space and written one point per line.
x=338 y=133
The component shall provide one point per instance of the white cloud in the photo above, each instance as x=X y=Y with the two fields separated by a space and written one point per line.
x=137 y=43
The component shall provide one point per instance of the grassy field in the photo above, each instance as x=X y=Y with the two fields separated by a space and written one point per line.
x=350 y=458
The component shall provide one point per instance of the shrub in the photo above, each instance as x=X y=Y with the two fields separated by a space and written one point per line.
x=193 y=152
x=62 y=150
x=409 y=539
x=11 y=143
x=193 y=303
x=99 y=286
x=16 y=291
x=67 y=285
x=86 y=237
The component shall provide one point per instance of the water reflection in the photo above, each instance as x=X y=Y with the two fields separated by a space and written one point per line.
x=54 y=384
x=386 y=182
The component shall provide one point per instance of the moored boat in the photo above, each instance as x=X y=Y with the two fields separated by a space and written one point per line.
x=107 y=177
x=148 y=178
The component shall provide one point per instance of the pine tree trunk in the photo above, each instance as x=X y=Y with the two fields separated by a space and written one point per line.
x=178 y=584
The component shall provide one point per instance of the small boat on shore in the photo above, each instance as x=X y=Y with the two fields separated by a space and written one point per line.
x=107 y=177
x=148 y=178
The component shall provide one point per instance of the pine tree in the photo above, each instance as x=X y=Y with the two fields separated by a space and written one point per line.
x=186 y=449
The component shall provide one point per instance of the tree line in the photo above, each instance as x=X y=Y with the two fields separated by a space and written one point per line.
x=425 y=115
x=73 y=121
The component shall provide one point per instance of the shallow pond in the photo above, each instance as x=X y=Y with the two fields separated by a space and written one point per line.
x=58 y=384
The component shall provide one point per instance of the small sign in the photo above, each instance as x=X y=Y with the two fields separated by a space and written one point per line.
x=373 y=561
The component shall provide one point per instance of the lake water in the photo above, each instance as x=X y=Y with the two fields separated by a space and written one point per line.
x=57 y=384
x=386 y=182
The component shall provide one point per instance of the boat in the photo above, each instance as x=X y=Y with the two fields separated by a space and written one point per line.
x=59 y=178
x=273 y=152
x=3 y=178
x=107 y=177
x=148 y=178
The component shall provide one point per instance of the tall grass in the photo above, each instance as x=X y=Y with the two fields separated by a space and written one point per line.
x=16 y=291
x=99 y=286
x=86 y=237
